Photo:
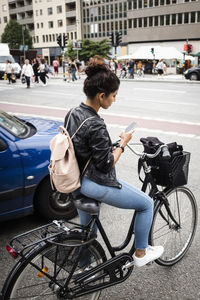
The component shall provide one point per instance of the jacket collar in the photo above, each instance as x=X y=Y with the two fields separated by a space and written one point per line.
x=85 y=106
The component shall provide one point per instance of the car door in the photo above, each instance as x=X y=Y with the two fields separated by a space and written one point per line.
x=11 y=179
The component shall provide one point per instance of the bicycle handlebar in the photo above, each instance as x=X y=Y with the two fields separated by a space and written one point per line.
x=164 y=148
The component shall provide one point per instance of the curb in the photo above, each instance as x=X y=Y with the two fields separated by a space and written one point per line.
x=183 y=81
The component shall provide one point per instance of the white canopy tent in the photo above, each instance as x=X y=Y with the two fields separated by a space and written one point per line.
x=160 y=52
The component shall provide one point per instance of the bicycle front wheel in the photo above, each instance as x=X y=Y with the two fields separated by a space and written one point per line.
x=28 y=282
x=176 y=240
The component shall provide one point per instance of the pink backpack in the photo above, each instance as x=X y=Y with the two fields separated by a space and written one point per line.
x=63 y=168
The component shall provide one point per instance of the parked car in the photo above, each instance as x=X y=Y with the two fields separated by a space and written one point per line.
x=24 y=177
x=5 y=55
x=193 y=73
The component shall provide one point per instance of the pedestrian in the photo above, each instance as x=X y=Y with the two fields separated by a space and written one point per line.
x=42 y=71
x=140 y=71
x=27 y=71
x=112 y=65
x=93 y=143
x=160 y=67
x=8 y=71
x=55 y=66
x=131 y=65
x=35 y=66
x=78 y=64
x=73 y=69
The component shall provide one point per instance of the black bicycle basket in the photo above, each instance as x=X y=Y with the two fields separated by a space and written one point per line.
x=173 y=172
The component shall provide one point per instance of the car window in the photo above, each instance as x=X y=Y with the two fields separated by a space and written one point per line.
x=14 y=125
x=4 y=58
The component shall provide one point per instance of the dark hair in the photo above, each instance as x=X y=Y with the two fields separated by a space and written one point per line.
x=100 y=79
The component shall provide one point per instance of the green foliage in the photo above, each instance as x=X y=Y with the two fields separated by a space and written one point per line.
x=13 y=35
x=89 y=49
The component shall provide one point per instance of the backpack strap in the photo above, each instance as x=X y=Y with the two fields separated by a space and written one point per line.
x=73 y=135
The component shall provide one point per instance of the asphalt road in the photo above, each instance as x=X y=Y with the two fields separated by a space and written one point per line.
x=170 y=111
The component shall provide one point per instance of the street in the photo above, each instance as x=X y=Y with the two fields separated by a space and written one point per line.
x=169 y=111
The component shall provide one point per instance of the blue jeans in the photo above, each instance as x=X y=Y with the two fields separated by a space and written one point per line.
x=128 y=197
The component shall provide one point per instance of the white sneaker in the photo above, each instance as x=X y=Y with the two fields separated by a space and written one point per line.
x=152 y=253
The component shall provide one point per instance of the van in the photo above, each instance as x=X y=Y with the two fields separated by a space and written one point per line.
x=5 y=55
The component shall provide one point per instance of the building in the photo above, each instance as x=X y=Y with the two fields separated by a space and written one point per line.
x=141 y=22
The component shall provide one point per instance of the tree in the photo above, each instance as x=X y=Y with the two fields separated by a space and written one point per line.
x=13 y=35
x=89 y=49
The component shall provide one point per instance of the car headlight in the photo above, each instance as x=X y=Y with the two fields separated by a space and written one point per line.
x=185 y=72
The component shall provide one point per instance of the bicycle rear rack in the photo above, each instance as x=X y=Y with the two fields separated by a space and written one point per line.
x=44 y=233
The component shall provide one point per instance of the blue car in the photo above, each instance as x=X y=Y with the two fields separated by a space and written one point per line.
x=24 y=177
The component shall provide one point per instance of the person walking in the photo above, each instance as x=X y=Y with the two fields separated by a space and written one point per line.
x=8 y=71
x=160 y=67
x=74 y=69
x=131 y=65
x=27 y=71
x=93 y=143
x=42 y=71
x=35 y=67
x=55 y=66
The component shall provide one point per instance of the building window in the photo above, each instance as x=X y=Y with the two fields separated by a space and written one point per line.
x=40 y=12
x=145 y=3
x=145 y=22
x=38 y=25
x=150 y=21
x=193 y=17
x=167 y=19
x=186 y=18
x=139 y=22
x=156 y=21
x=4 y=8
x=135 y=23
x=50 y=23
x=156 y=3
x=36 y=12
x=5 y=19
x=168 y=2
x=59 y=9
x=130 y=23
x=162 y=2
x=53 y=36
x=50 y=10
x=42 y=25
x=135 y=4
x=139 y=3
x=43 y=38
x=162 y=20
x=198 y=16
x=47 y=38
x=150 y=3
x=174 y=19
x=180 y=18
x=60 y=23
x=173 y=1
x=37 y=39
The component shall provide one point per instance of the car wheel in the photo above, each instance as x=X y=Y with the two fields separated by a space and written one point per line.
x=193 y=76
x=53 y=204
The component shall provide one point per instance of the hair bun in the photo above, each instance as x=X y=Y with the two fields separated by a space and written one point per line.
x=96 y=64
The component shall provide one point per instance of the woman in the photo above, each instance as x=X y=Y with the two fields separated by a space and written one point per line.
x=27 y=71
x=93 y=141
x=8 y=71
x=42 y=71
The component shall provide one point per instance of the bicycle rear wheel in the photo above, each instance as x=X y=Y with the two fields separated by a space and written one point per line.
x=27 y=282
x=175 y=240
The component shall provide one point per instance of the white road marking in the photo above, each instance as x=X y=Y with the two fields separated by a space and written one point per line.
x=107 y=114
x=154 y=131
x=161 y=90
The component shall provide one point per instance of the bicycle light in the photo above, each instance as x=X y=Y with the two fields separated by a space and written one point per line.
x=11 y=251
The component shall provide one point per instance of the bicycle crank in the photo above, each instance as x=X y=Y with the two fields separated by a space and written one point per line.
x=104 y=275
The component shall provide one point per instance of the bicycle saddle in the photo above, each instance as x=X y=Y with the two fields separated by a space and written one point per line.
x=86 y=204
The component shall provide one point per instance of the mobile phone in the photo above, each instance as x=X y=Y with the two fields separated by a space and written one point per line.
x=130 y=127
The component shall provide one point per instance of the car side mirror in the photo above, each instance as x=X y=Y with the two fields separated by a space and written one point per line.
x=3 y=145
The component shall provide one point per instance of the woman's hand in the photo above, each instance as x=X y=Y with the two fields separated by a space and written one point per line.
x=126 y=137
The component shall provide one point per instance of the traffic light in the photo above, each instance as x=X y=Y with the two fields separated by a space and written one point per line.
x=65 y=39
x=118 y=38
x=111 y=38
x=189 y=48
x=59 y=40
x=152 y=50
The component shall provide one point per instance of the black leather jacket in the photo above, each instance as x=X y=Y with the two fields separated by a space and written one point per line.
x=92 y=141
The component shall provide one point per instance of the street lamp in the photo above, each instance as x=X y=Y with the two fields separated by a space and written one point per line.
x=23 y=42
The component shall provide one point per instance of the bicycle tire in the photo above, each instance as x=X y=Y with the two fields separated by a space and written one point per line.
x=176 y=241
x=24 y=282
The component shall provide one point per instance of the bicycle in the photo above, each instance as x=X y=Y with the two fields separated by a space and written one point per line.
x=53 y=257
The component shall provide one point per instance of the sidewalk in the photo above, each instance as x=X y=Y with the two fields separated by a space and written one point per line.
x=178 y=78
